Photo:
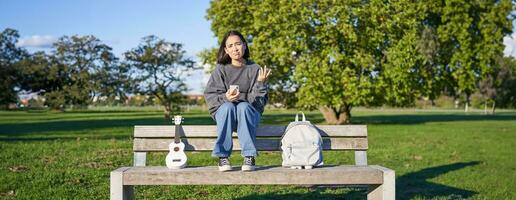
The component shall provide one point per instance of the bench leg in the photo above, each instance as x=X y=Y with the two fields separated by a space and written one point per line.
x=119 y=191
x=385 y=191
x=140 y=158
x=361 y=158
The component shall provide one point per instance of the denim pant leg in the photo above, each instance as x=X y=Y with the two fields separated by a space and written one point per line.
x=226 y=123
x=248 y=118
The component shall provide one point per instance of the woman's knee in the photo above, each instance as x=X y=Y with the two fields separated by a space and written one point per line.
x=226 y=107
x=244 y=105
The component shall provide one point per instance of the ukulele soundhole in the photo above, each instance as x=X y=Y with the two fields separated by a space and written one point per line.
x=176 y=149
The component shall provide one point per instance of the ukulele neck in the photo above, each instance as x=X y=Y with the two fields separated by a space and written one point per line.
x=177 y=136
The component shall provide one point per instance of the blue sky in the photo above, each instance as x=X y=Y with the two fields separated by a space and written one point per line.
x=122 y=24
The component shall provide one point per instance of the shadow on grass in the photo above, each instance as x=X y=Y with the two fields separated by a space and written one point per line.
x=408 y=186
x=316 y=193
x=63 y=138
x=32 y=128
x=416 y=184
x=54 y=126
x=424 y=118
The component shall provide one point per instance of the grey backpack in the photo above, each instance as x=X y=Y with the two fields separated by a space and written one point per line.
x=301 y=145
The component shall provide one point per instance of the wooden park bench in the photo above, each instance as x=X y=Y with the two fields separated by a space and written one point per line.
x=379 y=180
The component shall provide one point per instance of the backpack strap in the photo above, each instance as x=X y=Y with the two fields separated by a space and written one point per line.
x=297 y=116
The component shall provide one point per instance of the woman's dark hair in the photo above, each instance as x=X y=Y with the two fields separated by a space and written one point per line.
x=222 y=56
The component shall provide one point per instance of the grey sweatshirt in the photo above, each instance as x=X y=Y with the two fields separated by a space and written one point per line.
x=251 y=90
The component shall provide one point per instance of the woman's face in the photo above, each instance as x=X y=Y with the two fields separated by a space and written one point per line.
x=235 y=48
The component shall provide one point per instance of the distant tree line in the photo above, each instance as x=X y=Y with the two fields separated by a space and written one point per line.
x=335 y=55
x=80 y=69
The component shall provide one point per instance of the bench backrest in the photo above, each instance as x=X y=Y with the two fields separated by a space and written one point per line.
x=202 y=138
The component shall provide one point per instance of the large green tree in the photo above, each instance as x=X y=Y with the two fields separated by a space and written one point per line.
x=159 y=68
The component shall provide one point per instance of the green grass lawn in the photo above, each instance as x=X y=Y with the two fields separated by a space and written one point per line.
x=436 y=155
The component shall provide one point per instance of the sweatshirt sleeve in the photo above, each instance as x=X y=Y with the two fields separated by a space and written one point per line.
x=258 y=97
x=215 y=91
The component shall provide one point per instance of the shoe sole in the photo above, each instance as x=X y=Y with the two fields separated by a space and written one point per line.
x=247 y=168
x=225 y=168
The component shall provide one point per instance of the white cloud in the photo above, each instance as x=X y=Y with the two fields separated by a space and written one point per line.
x=510 y=45
x=37 y=41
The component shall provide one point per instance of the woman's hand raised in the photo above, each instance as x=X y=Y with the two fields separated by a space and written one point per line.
x=263 y=74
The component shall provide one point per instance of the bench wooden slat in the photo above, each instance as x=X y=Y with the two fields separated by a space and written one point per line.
x=327 y=175
x=262 y=144
x=191 y=131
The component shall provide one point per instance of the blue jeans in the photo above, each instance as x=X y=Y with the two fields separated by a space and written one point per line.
x=240 y=116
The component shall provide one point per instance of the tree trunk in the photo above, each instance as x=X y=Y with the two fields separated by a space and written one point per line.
x=466 y=107
x=167 y=112
x=336 y=117
x=485 y=107
x=493 y=109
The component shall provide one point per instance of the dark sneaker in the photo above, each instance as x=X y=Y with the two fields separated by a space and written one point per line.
x=248 y=164
x=224 y=164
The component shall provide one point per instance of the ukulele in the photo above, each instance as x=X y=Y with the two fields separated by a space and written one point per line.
x=176 y=158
